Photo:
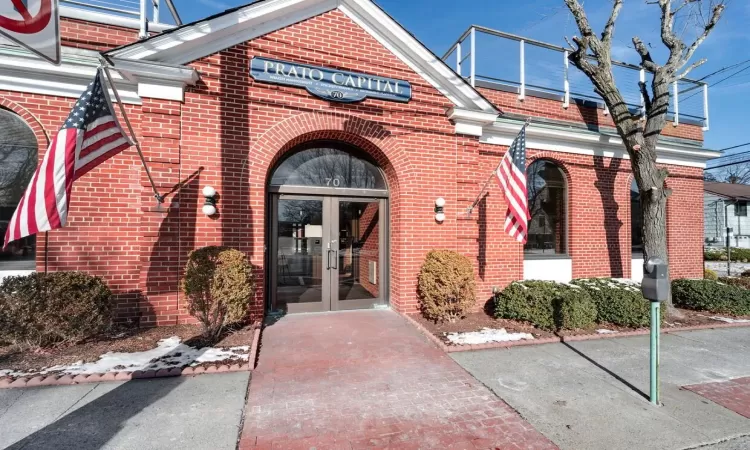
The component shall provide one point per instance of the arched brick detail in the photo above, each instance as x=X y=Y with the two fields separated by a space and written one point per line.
x=266 y=151
x=41 y=137
x=288 y=134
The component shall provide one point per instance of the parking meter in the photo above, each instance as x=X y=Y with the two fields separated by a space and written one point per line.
x=655 y=285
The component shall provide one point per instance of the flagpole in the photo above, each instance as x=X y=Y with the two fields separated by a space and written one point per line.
x=133 y=138
x=470 y=209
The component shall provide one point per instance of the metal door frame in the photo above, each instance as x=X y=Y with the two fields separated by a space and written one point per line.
x=330 y=301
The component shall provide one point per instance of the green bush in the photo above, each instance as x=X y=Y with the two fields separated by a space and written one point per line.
x=743 y=282
x=218 y=284
x=546 y=304
x=745 y=274
x=618 y=302
x=42 y=310
x=716 y=254
x=709 y=274
x=712 y=296
x=446 y=286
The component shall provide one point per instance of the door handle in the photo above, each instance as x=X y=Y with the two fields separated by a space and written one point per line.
x=335 y=259
x=328 y=260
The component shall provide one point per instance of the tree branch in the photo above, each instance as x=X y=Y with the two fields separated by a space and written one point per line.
x=646 y=61
x=644 y=94
x=715 y=16
x=692 y=66
x=609 y=28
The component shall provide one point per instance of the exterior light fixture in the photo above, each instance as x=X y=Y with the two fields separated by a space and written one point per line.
x=439 y=210
x=209 y=207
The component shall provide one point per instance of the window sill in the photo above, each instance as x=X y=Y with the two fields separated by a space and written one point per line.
x=528 y=257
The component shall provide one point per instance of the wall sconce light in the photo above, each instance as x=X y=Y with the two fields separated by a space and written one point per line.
x=439 y=210
x=209 y=208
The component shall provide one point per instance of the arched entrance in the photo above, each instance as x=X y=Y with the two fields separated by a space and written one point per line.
x=328 y=230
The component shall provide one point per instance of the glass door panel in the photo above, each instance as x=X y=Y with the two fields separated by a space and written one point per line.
x=357 y=237
x=300 y=283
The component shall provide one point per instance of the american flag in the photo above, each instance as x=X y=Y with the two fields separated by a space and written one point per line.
x=90 y=135
x=512 y=175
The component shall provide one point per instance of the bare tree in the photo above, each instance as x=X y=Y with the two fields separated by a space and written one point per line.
x=592 y=55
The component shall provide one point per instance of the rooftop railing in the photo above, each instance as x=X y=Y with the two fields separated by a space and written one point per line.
x=145 y=12
x=533 y=68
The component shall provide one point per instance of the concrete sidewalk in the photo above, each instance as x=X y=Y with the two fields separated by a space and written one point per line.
x=202 y=412
x=591 y=394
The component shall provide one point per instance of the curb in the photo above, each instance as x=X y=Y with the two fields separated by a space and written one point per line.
x=557 y=339
x=65 y=380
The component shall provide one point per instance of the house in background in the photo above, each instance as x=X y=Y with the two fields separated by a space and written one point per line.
x=734 y=198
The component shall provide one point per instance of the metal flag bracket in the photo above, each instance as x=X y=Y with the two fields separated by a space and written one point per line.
x=470 y=209
x=105 y=66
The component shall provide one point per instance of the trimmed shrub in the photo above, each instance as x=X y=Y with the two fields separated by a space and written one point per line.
x=619 y=302
x=742 y=282
x=709 y=274
x=711 y=254
x=712 y=296
x=745 y=274
x=574 y=309
x=43 y=310
x=218 y=284
x=547 y=305
x=446 y=286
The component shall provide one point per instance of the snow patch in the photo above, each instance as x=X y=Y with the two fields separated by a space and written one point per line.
x=729 y=320
x=169 y=353
x=486 y=335
x=605 y=331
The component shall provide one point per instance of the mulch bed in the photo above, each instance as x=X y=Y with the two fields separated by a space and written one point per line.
x=475 y=321
x=123 y=340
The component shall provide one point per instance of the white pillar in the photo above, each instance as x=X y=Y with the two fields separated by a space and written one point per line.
x=522 y=87
x=566 y=84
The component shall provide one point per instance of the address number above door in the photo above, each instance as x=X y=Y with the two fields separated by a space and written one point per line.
x=330 y=84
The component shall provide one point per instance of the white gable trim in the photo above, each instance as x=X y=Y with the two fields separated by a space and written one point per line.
x=218 y=33
x=592 y=143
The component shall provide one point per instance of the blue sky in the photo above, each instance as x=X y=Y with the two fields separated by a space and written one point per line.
x=438 y=23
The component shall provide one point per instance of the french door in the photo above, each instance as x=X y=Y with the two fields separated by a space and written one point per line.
x=327 y=253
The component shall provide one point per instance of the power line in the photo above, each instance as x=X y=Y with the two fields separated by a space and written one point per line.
x=720 y=81
x=728 y=164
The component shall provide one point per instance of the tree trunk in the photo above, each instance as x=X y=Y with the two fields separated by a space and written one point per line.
x=654 y=210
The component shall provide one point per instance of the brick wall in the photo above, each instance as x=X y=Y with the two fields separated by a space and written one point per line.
x=576 y=112
x=231 y=131
x=94 y=36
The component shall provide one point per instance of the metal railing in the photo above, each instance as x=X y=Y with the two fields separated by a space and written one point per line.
x=145 y=11
x=543 y=70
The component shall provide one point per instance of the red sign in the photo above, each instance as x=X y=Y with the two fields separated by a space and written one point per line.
x=33 y=24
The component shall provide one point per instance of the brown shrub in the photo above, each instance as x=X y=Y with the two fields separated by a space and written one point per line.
x=446 y=286
x=42 y=310
x=218 y=284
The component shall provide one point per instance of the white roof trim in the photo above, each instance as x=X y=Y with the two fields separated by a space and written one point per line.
x=591 y=143
x=22 y=71
x=210 y=36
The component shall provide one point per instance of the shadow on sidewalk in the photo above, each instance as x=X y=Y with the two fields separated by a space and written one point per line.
x=609 y=372
x=94 y=424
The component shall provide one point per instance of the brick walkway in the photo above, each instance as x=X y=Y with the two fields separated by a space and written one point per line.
x=368 y=379
x=733 y=394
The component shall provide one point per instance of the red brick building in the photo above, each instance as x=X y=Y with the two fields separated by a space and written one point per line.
x=333 y=202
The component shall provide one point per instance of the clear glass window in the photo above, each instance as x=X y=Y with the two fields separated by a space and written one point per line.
x=18 y=160
x=322 y=165
x=547 y=195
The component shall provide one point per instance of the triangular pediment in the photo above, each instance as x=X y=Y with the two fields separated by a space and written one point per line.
x=193 y=41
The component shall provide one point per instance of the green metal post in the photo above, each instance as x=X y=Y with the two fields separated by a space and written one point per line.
x=654 y=366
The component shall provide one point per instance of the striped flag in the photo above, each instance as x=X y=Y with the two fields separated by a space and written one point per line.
x=512 y=175
x=90 y=135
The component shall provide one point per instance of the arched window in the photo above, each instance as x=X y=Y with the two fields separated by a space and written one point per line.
x=325 y=164
x=547 y=192
x=636 y=219
x=18 y=160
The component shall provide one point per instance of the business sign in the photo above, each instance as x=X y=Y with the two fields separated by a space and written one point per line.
x=33 y=24
x=330 y=84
